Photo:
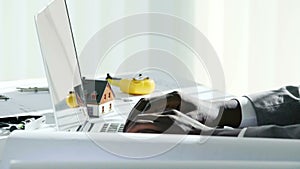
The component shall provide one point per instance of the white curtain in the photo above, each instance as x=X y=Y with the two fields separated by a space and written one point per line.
x=257 y=41
x=19 y=50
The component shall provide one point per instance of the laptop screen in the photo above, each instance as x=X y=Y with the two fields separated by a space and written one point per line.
x=60 y=61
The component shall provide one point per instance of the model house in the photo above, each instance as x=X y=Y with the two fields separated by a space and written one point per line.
x=99 y=97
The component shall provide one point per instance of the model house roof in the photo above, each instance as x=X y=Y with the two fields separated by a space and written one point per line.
x=94 y=90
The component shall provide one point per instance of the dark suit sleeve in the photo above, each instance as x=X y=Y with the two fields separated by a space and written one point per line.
x=277 y=112
x=274 y=131
x=267 y=131
x=277 y=107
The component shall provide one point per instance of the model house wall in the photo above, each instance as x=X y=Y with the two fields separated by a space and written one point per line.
x=99 y=97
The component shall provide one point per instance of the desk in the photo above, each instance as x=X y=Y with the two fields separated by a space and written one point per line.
x=38 y=148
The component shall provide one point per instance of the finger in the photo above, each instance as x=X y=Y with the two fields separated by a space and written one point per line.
x=161 y=103
x=197 y=116
x=145 y=118
x=139 y=118
x=182 y=118
x=147 y=105
x=173 y=112
x=160 y=124
x=165 y=117
x=141 y=104
x=188 y=104
x=137 y=109
x=150 y=117
x=172 y=122
x=140 y=127
x=155 y=104
x=160 y=121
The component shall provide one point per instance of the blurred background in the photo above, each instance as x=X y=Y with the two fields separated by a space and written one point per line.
x=257 y=41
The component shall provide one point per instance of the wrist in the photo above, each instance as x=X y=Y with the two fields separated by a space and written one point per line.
x=231 y=114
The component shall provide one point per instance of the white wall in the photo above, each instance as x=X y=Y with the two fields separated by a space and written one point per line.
x=257 y=41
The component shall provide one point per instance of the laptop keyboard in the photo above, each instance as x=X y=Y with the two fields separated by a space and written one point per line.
x=112 y=127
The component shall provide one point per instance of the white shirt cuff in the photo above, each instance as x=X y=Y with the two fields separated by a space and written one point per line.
x=248 y=112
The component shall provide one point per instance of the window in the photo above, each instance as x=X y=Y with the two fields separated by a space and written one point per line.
x=102 y=109
x=110 y=106
x=109 y=95
x=104 y=96
x=94 y=96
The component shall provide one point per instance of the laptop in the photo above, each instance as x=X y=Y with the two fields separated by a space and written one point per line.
x=63 y=75
x=63 y=71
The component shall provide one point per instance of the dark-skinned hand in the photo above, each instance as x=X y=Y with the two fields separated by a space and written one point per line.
x=175 y=113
